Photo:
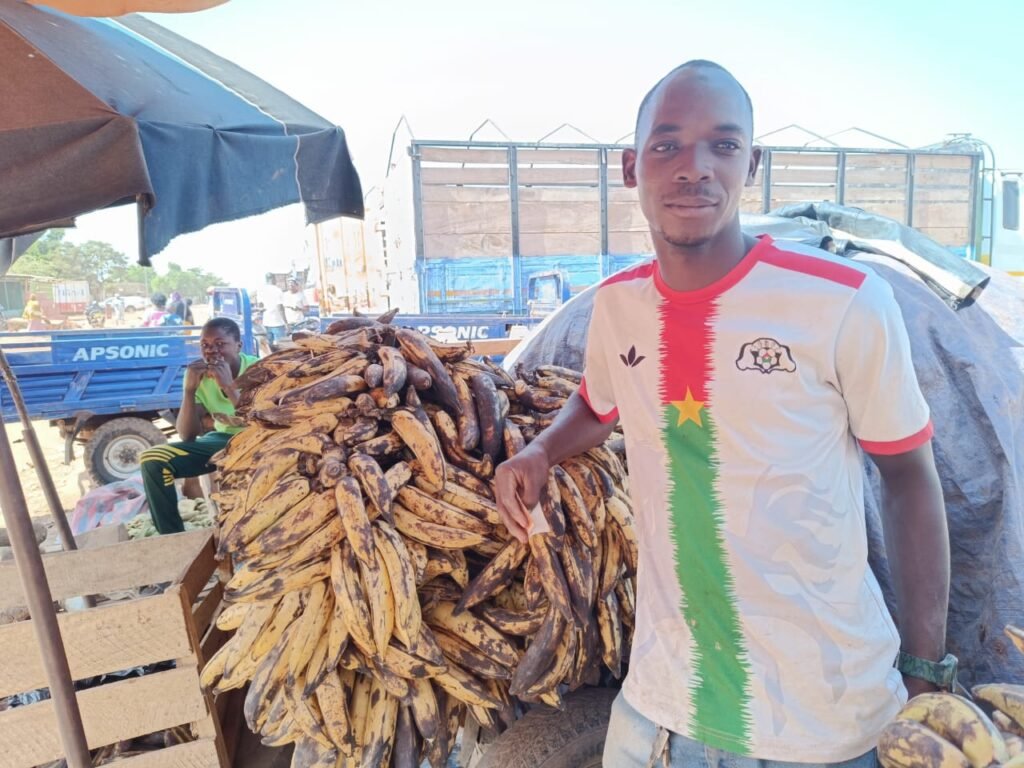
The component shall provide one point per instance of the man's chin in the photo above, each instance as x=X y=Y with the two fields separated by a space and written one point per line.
x=689 y=240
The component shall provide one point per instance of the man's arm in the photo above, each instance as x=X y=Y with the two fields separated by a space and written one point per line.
x=189 y=421
x=521 y=478
x=917 y=544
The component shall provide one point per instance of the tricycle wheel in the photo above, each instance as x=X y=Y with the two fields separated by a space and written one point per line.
x=112 y=453
x=547 y=738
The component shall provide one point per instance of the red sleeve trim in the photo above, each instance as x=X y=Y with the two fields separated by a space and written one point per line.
x=604 y=418
x=899 y=446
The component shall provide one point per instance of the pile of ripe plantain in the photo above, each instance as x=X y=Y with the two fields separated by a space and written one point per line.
x=376 y=597
x=943 y=730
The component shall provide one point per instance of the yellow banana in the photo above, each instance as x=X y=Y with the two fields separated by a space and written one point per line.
x=351 y=597
x=401 y=573
x=1008 y=699
x=1016 y=635
x=609 y=623
x=379 y=735
x=300 y=522
x=354 y=518
x=477 y=632
x=463 y=686
x=286 y=499
x=961 y=723
x=246 y=635
x=381 y=602
x=424 y=444
x=316 y=543
x=319 y=604
x=433 y=535
x=440 y=512
x=275 y=585
x=908 y=744
x=333 y=700
x=359 y=708
x=374 y=482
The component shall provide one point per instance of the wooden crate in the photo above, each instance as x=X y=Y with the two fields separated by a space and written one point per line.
x=173 y=626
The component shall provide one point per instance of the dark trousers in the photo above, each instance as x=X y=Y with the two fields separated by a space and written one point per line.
x=163 y=464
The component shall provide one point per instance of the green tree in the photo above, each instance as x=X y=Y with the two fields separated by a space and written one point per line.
x=190 y=283
x=53 y=256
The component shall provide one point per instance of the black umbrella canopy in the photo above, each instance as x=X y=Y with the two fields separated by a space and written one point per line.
x=101 y=112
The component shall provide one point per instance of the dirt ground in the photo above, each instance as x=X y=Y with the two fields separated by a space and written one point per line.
x=71 y=480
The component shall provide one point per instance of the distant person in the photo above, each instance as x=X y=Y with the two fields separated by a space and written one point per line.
x=157 y=313
x=295 y=306
x=176 y=306
x=209 y=390
x=118 y=306
x=33 y=312
x=828 y=244
x=189 y=319
x=272 y=299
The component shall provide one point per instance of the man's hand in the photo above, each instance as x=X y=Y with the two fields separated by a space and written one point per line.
x=518 y=483
x=194 y=374
x=220 y=372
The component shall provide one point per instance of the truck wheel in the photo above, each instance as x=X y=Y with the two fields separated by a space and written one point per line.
x=112 y=453
x=547 y=738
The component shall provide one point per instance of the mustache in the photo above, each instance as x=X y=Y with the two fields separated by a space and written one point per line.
x=691 y=190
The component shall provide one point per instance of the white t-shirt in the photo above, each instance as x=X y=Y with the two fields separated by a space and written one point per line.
x=760 y=628
x=272 y=298
x=294 y=304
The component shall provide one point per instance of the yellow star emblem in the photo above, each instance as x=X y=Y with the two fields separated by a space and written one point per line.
x=689 y=409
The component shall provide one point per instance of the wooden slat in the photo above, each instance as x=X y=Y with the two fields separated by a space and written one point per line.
x=943 y=194
x=99 y=640
x=949 y=236
x=540 y=218
x=466 y=218
x=804 y=160
x=194 y=754
x=623 y=195
x=894 y=209
x=456 y=175
x=463 y=155
x=804 y=176
x=196 y=574
x=557 y=157
x=110 y=713
x=108 y=569
x=626 y=217
x=559 y=195
x=941 y=214
x=923 y=161
x=872 y=160
x=208 y=725
x=751 y=205
x=630 y=242
x=568 y=175
x=439 y=194
x=800 y=193
x=203 y=613
x=558 y=244
x=457 y=246
x=868 y=177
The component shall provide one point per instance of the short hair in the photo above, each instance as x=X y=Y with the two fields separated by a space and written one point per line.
x=225 y=324
x=692 y=64
x=159 y=300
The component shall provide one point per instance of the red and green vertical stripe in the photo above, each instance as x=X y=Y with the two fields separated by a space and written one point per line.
x=719 y=693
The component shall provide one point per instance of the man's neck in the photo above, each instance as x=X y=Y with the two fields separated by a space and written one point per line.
x=685 y=268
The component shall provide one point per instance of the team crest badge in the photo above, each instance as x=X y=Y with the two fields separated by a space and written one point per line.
x=765 y=355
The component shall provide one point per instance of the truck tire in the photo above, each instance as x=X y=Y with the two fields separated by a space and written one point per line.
x=112 y=453
x=547 y=738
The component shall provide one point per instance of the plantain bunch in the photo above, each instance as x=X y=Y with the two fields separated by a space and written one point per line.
x=377 y=599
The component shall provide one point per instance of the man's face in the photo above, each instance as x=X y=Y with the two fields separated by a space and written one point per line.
x=693 y=157
x=217 y=344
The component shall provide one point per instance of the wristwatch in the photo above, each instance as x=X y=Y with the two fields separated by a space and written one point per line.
x=941 y=673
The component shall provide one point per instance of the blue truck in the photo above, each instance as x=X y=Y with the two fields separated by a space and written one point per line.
x=502 y=227
x=115 y=391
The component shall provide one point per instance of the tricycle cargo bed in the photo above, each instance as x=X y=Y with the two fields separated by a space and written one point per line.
x=66 y=373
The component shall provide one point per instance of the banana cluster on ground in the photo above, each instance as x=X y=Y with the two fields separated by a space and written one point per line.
x=943 y=730
x=376 y=598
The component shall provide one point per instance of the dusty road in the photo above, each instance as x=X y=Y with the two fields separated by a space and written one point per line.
x=71 y=480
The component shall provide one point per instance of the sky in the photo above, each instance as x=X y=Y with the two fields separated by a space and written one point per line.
x=911 y=70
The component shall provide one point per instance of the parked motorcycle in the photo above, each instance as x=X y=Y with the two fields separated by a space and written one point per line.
x=95 y=315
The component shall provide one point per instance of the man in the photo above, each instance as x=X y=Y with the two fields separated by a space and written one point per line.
x=209 y=390
x=33 y=313
x=272 y=299
x=295 y=306
x=744 y=374
x=176 y=306
x=119 y=309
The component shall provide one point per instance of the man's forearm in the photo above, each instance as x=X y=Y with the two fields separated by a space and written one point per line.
x=574 y=431
x=187 y=423
x=917 y=544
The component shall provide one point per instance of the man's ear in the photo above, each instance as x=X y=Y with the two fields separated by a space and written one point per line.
x=629 y=168
x=755 y=161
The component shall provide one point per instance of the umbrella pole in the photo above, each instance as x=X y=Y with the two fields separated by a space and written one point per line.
x=35 y=451
x=40 y=608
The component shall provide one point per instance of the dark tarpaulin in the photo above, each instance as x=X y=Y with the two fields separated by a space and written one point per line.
x=97 y=112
